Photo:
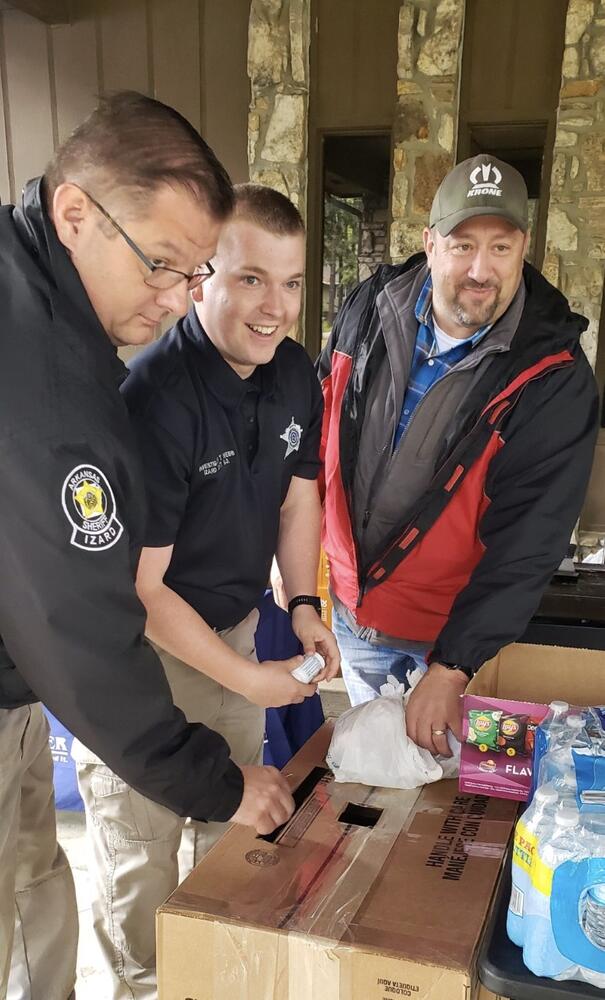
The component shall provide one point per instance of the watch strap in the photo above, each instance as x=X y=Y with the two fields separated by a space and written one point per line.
x=311 y=599
x=452 y=666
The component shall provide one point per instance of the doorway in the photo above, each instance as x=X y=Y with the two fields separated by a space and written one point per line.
x=355 y=179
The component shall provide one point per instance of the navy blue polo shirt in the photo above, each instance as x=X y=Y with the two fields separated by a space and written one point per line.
x=219 y=453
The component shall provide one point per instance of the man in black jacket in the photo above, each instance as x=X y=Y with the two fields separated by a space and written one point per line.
x=103 y=247
x=227 y=412
x=460 y=421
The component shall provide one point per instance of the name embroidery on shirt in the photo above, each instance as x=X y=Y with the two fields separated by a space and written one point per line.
x=216 y=464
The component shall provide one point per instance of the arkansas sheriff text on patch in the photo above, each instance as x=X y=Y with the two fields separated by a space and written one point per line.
x=90 y=508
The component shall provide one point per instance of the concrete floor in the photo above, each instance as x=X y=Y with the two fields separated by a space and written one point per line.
x=92 y=983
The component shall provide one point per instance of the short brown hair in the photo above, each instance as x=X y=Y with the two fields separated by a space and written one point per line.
x=136 y=143
x=268 y=209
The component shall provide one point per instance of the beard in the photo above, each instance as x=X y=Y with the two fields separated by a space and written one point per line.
x=479 y=314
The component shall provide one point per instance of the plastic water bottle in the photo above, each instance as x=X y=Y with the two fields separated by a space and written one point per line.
x=540 y=953
x=551 y=724
x=593 y=918
x=565 y=786
x=558 y=758
x=536 y=818
x=579 y=919
x=554 y=718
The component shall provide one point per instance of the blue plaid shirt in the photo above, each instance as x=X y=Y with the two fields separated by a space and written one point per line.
x=428 y=367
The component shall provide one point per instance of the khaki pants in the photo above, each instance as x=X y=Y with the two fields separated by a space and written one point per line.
x=134 y=842
x=38 y=913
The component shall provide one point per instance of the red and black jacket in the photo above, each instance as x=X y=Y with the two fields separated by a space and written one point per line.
x=466 y=569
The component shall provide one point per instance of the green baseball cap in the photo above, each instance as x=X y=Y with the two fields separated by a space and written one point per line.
x=482 y=185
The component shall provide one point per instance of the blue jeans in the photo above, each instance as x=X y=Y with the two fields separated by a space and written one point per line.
x=365 y=665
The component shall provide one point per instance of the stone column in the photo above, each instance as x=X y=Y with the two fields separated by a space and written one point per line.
x=428 y=76
x=575 y=236
x=372 y=238
x=278 y=67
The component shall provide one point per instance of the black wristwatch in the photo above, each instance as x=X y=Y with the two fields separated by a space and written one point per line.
x=455 y=666
x=315 y=602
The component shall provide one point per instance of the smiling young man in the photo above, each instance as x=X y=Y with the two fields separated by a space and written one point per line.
x=227 y=412
x=102 y=247
x=460 y=422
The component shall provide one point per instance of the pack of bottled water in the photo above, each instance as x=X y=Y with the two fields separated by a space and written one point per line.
x=557 y=906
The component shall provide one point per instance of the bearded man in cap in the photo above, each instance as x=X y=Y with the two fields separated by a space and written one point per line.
x=460 y=422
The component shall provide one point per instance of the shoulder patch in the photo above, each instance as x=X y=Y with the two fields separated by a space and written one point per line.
x=90 y=508
x=292 y=435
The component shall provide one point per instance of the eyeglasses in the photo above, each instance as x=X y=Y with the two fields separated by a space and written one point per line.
x=161 y=276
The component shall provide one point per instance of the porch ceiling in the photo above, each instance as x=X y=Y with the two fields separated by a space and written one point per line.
x=49 y=11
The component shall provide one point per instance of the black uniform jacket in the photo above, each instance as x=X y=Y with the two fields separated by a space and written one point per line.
x=71 y=526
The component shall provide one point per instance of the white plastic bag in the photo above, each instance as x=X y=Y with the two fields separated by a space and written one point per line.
x=370 y=744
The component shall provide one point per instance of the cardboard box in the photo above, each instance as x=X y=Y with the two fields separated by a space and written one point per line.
x=333 y=910
x=323 y=589
x=543 y=674
x=487 y=994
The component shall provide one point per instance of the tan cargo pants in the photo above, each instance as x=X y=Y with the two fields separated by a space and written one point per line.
x=134 y=842
x=38 y=913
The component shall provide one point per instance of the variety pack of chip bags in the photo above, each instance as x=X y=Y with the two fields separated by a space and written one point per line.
x=498 y=746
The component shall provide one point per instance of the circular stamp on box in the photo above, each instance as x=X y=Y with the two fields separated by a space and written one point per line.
x=262 y=859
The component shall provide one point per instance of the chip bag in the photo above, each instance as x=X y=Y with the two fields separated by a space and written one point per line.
x=512 y=737
x=484 y=729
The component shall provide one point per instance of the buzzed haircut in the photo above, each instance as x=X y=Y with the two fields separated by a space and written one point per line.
x=268 y=209
x=135 y=143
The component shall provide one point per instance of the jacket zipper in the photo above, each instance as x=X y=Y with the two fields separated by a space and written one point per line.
x=368 y=513
x=362 y=577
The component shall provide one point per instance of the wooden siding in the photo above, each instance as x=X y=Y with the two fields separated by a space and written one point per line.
x=189 y=53
x=354 y=64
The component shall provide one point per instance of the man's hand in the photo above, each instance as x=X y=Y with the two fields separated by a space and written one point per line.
x=266 y=802
x=315 y=637
x=435 y=706
x=270 y=684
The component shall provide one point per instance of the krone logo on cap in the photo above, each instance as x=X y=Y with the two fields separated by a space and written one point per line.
x=90 y=508
x=480 y=179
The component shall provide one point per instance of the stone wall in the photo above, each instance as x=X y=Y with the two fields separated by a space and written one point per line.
x=575 y=238
x=428 y=74
x=372 y=238
x=278 y=67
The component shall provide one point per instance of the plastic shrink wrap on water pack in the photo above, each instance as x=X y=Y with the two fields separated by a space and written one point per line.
x=557 y=906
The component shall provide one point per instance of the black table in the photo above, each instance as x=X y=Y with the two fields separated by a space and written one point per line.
x=500 y=963
x=571 y=612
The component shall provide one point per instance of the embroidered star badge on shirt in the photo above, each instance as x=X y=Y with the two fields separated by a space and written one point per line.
x=292 y=436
